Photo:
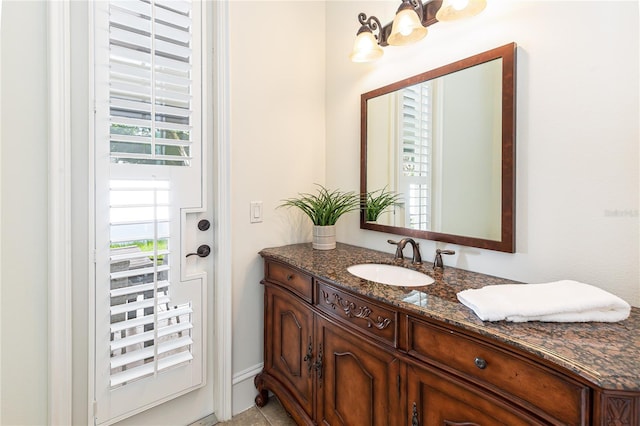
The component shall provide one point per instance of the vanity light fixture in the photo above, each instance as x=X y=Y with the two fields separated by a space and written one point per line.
x=409 y=25
x=366 y=47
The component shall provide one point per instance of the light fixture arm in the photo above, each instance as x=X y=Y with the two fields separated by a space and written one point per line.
x=372 y=24
x=415 y=5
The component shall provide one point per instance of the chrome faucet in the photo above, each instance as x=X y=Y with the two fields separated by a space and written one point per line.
x=437 y=262
x=417 y=259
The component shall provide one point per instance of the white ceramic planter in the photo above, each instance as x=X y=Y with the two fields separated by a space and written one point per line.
x=324 y=237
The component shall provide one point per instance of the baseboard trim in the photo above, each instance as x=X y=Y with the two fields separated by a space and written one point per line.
x=210 y=420
x=244 y=391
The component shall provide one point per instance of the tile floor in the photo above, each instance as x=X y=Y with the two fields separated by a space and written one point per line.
x=271 y=414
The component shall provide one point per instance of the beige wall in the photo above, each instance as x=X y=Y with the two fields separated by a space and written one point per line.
x=23 y=372
x=277 y=100
x=577 y=132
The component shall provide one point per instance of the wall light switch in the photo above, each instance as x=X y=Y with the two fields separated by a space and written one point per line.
x=255 y=212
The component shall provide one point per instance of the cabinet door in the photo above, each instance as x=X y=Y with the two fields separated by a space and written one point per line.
x=434 y=398
x=288 y=343
x=358 y=383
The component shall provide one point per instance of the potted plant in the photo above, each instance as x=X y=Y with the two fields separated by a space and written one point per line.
x=376 y=202
x=324 y=209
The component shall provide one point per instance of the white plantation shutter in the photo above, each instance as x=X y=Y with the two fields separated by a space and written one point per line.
x=148 y=334
x=150 y=82
x=149 y=320
x=416 y=134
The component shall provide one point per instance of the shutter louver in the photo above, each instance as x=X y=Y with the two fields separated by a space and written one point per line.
x=148 y=334
x=150 y=82
x=416 y=153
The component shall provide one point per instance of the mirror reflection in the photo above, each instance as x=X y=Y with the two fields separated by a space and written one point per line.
x=443 y=142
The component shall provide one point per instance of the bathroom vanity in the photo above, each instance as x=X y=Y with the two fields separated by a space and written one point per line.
x=340 y=350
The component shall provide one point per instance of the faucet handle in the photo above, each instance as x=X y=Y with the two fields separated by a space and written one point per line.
x=437 y=262
x=400 y=246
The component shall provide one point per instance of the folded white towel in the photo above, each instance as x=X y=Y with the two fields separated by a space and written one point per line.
x=559 y=301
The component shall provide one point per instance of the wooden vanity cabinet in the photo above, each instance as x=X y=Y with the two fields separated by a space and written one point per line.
x=356 y=382
x=437 y=398
x=553 y=397
x=288 y=356
x=322 y=372
x=333 y=357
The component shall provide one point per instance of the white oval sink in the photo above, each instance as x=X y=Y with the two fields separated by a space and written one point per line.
x=390 y=274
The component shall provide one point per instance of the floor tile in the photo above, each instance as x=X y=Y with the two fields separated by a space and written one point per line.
x=251 y=417
x=276 y=414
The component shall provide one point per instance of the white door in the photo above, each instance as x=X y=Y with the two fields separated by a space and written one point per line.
x=153 y=267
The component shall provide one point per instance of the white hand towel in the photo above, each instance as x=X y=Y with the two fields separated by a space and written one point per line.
x=559 y=301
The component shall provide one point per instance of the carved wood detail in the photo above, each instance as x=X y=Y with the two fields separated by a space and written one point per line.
x=618 y=412
x=351 y=310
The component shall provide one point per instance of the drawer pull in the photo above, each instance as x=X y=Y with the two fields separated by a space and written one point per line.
x=480 y=363
x=289 y=277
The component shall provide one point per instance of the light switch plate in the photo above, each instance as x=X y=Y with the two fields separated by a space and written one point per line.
x=255 y=212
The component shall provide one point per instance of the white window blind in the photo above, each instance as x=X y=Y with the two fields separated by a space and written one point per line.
x=148 y=333
x=416 y=136
x=150 y=70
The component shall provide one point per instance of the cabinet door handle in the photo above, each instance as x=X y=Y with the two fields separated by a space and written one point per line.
x=480 y=363
x=309 y=356
x=414 y=417
x=318 y=364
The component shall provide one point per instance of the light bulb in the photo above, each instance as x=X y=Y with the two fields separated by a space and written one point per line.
x=458 y=9
x=366 y=48
x=406 y=28
x=459 y=4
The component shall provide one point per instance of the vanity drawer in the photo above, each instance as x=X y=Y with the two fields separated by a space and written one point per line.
x=369 y=318
x=559 y=398
x=296 y=281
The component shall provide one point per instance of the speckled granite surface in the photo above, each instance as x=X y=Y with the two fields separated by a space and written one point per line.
x=606 y=354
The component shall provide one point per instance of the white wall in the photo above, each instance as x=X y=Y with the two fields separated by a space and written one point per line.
x=277 y=150
x=577 y=131
x=23 y=372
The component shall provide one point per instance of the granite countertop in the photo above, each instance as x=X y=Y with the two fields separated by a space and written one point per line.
x=606 y=354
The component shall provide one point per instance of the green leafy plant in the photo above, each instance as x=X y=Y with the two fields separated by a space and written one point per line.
x=376 y=202
x=325 y=207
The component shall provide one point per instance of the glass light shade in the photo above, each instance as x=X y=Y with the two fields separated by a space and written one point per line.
x=365 y=48
x=406 y=28
x=458 y=9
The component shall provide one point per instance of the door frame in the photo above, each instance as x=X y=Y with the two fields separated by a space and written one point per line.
x=59 y=213
x=60 y=365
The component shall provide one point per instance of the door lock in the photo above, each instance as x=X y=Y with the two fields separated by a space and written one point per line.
x=204 y=224
x=203 y=251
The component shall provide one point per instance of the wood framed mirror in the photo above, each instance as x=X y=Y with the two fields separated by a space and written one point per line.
x=444 y=142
